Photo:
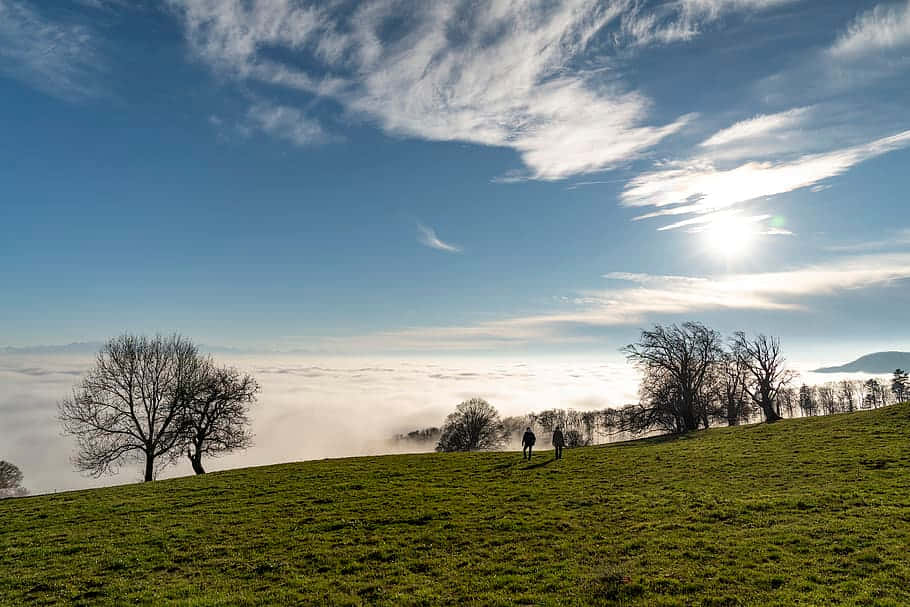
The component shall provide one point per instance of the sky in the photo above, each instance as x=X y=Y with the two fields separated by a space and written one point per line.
x=382 y=207
x=392 y=176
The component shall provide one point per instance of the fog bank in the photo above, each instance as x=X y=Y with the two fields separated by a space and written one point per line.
x=308 y=408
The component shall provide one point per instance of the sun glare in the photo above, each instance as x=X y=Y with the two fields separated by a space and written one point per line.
x=730 y=237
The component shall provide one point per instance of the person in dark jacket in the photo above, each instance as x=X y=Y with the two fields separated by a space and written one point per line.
x=559 y=441
x=527 y=443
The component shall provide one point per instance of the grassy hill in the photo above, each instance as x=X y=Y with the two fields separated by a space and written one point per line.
x=809 y=512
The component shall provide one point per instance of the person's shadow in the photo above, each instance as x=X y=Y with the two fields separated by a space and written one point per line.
x=545 y=462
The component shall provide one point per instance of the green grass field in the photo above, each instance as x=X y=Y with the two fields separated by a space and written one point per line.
x=803 y=512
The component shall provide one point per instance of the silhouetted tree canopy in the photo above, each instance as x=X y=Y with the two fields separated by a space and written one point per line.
x=10 y=480
x=474 y=426
x=678 y=363
x=421 y=436
x=766 y=371
x=146 y=399
x=216 y=419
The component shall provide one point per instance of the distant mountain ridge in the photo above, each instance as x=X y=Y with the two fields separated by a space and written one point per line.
x=878 y=362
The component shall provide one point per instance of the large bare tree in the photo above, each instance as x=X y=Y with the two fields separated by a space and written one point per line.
x=217 y=417
x=678 y=362
x=131 y=404
x=767 y=371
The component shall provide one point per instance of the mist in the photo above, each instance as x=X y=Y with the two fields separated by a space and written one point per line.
x=308 y=408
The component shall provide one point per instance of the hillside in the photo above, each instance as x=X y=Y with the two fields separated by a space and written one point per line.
x=815 y=512
x=879 y=362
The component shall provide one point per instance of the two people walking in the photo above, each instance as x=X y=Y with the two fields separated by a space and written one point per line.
x=528 y=440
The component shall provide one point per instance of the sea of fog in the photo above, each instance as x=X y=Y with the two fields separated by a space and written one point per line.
x=312 y=409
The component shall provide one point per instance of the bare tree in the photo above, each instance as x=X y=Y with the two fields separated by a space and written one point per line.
x=873 y=394
x=10 y=481
x=731 y=388
x=827 y=398
x=216 y=418
x=900 y=385
x=678 y=363
x=847 y=395
x=808 y=404
x=786 y=401
x=130 y=405
x=766 y=371
x=474 y=426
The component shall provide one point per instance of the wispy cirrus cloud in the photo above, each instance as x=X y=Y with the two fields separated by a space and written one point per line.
x=649 y=24
x=758 y=126
x=898 y=239
x=642 y=297
x=57 y=57
x=885 y=27
x=767 y=154
x=697 y=186
x=286 y=123
x=531 y=76
x=428 y=238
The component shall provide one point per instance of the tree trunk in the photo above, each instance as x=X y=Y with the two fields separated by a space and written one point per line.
x=196 y=461
x=149 y=467
x=767 y=407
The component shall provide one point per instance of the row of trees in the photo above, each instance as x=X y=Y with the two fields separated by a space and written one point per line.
x=692 y=379
x=154 y=400
x=845 y=396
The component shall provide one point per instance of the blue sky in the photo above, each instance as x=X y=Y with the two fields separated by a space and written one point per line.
x=391 y=176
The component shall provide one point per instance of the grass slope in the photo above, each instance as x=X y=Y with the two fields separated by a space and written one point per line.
x=808 y=512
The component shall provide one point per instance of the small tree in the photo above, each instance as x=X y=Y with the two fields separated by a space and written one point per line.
x=807 y=402
x=216 y=418
x=847 y=395
x=131 y=404
x=873 y=394
x=10 y=481
x=827 y=398
x=474 y=426
x=900 y=385
x=766 y=371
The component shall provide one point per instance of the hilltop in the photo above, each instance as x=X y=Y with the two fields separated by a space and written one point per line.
x=813 y=511
x=879 y=363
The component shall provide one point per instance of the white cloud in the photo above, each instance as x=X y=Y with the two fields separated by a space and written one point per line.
x=644 y=298
x=898 y=239
x=499 y=73
x=56 y=57
x=680 y=21
x=885 y=27
x=757 y=126
x=427 y=237
x=698 y=187
x=286 y=123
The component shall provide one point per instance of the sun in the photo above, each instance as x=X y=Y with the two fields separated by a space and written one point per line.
x=730 y=237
